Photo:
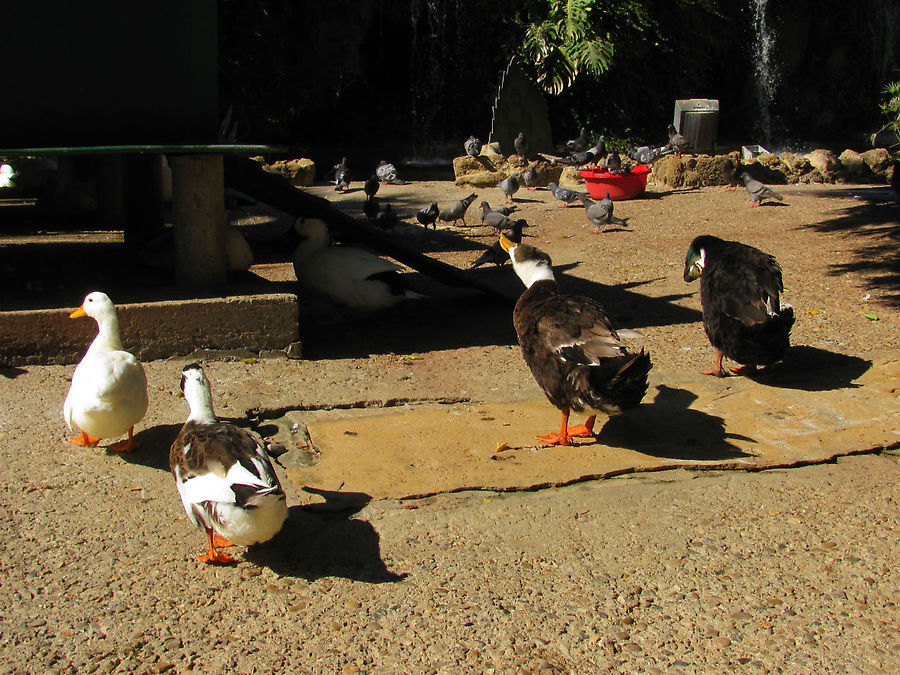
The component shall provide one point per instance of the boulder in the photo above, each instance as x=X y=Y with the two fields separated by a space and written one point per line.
x=796 y=163
x=691 y=170
x=825 y=161
x=853 y=163
x=878 y=160
x=487 y=170
x=570 y=178
x=300 y=172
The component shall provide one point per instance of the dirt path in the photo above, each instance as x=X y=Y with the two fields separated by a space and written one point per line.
x=674 y=571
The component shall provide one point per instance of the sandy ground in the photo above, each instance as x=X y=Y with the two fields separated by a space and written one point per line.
x=777 y=571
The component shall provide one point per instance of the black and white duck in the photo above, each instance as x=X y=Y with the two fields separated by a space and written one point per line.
x=225 y=479
x=571 y=347
x=740 y=290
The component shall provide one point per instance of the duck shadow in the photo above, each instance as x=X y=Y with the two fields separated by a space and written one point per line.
x=152 y=448
x=812 y=369
x=324 y=540
x=669 y=428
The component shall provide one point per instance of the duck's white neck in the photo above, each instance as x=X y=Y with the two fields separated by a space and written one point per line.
x=108 y=338
x=530 y=271
x=200 y=400
x=316 y=239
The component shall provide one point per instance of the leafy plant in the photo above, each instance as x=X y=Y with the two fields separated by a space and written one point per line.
x=563 y=43
x=890 y=108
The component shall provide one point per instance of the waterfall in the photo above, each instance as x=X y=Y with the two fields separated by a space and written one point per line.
x=766 y=71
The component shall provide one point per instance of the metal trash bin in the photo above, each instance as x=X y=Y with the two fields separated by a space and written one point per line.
x=697 y=119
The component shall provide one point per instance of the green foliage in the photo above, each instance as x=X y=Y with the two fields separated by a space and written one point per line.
x=561 y=41
x=890 y=108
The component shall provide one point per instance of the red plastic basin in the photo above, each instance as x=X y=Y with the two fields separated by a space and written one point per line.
x=618 y=185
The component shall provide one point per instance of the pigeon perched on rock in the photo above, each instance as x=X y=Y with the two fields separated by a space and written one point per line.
x=577 y=144
x=677 y=142
x=521 y=144
x=472 y=146
x=647 y=154
x=509 y=186
x=371 y=207
x=563 y=194
x=428 y=215
x=530 y=178
x=586 y=157
x=758 y=191
x=457 y=210
x=495 y=219
x=370 y=187
x=495 y=253
x=600 y=213
x=341 y=175
x=732 y=175
x=387 y=173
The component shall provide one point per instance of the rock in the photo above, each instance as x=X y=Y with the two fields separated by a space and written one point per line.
x=878 y=160
x=299 y=172
x=486 y=170
x=825 y=161
x=570 y=178
x=796 y=163
x=853 y=163
x=694 y=170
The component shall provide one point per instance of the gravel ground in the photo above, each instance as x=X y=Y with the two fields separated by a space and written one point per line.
x=779 y=571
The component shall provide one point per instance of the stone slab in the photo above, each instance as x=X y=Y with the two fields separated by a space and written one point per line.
x=155 y=330
x=703 y=422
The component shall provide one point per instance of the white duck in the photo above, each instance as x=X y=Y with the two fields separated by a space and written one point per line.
x=226 y=481
x=349 y=276
x=108 y=394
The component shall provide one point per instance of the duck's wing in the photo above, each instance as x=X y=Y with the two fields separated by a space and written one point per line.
x=578 y=331
x=748 y=286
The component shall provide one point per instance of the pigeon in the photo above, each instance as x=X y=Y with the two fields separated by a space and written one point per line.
x=586 y=157
x=495 y=219
x=530 y=176
x=678 y=142
x=563 y=194
x=371 y=185
x=577 y=144
x=506 y=210
x=495 y=253
x=457 y=210
x=509 y=186
x=387 y=219
x=521 y=144
x=387 y=173
x=371 y=207
x=341 y=175
x=472 y=146
x=647 y=154
x=732 y=175
x=758 y=191
x=613 y=163
x=428 y=215
x=600 y=213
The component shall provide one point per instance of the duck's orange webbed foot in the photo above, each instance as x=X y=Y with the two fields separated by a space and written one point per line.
x=219 y=540
x=127 y=445
x=554 y=439
x=583 y=430
x=85 y=440
x=215 y=557
x=744 y=370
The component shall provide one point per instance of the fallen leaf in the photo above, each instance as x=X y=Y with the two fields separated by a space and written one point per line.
x=871 y=317
x=249 y=361
x=812 y=311
x=501 y=447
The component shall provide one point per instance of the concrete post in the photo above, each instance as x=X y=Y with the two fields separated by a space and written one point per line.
x=198 y=202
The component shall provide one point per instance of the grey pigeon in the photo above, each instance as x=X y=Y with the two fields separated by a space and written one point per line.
x=509 y=187
x=387 y=173
x=457 y=210
x=506 y=210
x=732 y=175
x=758 y=191
x=677 y=142
x=586 y=157
x=472 y=146
x=495 y=254
x=613 y=163
x=341 y=175
x=600 y=213
x=370 y=187
x=428 y=215
x=371 y=207
x=563 y=194
x=530 y=177
x=521 y=144
x=578 y=144
x=387 y=219
x=495 y=219
x=647 y=154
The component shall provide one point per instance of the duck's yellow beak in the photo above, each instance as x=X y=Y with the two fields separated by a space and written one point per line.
x=78 y=312
x=505 y=242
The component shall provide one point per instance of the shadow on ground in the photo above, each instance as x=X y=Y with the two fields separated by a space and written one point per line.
x=324 y=540
x=813 y=369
